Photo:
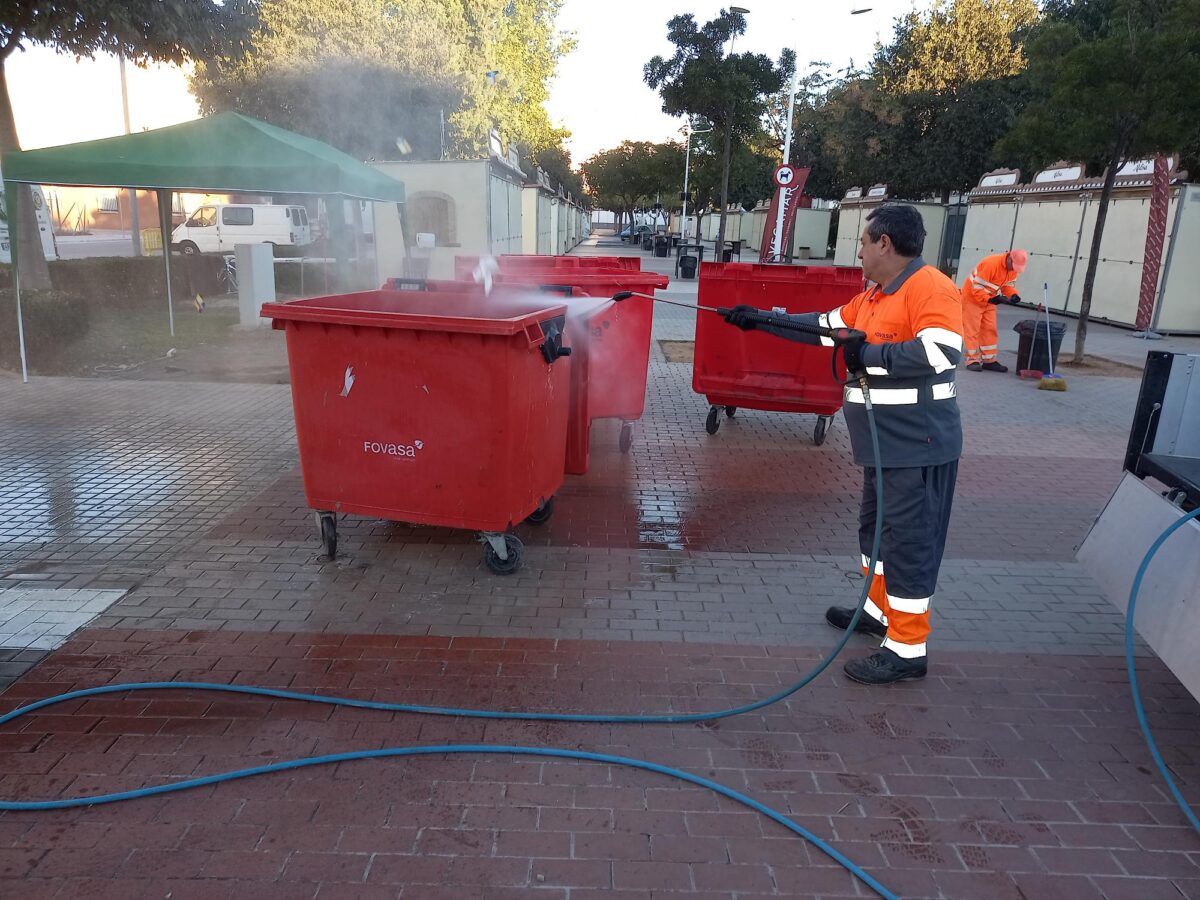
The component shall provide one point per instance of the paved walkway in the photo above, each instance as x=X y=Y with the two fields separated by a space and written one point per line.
x=688 y=575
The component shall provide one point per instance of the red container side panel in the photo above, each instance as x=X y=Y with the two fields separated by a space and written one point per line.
x=447 y=417
x=758 y=371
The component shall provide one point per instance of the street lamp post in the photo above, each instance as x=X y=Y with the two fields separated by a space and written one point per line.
x=687 y=160
x=777 y=241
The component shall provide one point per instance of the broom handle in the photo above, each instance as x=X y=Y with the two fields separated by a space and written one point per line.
x=1046 y=303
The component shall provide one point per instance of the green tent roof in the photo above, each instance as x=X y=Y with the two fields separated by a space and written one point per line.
x=224 y=153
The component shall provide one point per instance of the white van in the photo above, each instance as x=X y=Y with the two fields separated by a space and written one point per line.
x=217 y=227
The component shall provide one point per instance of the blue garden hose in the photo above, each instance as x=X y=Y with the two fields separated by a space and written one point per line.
x=1133 y=680
x=437 y=749
x=27 y=805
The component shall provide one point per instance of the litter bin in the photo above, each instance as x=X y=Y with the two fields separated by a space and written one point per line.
x=445 y=409
x=647 y=241
x=1031 y=345
x=687 y=265
x=747 y=369
x=662 y=245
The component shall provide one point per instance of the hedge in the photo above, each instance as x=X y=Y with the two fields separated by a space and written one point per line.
x=53 y=319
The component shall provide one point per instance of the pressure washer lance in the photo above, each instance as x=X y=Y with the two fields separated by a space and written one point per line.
x=837 y=335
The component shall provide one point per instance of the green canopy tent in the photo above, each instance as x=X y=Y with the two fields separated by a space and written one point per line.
x=225 y=153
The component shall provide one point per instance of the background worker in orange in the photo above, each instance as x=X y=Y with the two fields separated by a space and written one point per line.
x=912 y=321
x=992 y=282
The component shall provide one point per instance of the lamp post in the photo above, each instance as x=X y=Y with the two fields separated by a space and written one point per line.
x=687 y=159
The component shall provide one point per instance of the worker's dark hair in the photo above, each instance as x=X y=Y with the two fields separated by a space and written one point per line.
x=903 y=224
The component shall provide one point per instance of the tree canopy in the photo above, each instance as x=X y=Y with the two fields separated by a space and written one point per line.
x=140 y=30
x=394 y=79
x=730 y=90
x=1110 y=81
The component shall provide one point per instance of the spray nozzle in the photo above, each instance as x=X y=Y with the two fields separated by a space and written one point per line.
x=621 y=295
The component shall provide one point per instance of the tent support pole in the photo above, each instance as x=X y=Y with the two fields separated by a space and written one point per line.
x=12 y=192
x=164 y=223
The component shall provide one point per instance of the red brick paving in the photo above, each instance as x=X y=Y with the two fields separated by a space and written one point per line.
x=1038 y=787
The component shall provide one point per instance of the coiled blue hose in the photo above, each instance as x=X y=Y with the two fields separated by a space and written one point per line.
x=1133 y=679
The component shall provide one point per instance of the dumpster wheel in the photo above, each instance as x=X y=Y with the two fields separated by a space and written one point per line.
x=542 y=514
x=514 y=553
x=730 y=412
x=327 y=524
x=713 y=422
x=626 y=440
x=822 y=430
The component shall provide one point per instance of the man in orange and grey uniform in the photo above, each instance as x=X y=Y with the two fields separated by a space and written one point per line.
x=993 y=281
x=912 y=319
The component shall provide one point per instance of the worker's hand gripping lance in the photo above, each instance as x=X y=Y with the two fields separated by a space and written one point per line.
x=842 y=337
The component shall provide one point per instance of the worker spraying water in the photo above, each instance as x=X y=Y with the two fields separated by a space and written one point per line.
x=908 y=342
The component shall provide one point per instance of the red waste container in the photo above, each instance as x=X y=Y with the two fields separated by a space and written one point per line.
x=465 y=266
x=618 y=346
x=735 y=368
x=439 y=409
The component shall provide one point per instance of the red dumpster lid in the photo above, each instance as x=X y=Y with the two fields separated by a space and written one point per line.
x=504 y=311
x=790 y=274
x=584 y=278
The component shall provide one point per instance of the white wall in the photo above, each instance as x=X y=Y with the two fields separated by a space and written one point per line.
x=811 y=231
x=854 y=216
x=1057 y=230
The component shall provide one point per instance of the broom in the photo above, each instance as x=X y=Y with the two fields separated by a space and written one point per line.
x=1051 y=381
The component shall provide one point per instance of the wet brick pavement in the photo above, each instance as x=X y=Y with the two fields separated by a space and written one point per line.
x=689 y=574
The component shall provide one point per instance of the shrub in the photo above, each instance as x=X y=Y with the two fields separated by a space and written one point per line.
x=53 y=320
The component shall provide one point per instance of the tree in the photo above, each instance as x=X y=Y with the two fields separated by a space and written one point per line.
x=727 y=90
x=1106 y=79
x=390 y=79
x=141 y=30
x=634 y=174
x=956 y=42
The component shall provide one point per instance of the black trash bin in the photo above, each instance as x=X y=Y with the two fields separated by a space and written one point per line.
x=662 y=245
x=687 y=265
x=1031 y=346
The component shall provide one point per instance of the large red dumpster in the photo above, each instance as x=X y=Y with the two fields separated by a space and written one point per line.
x=735 y=368
x=618 y=347
x=446 y=409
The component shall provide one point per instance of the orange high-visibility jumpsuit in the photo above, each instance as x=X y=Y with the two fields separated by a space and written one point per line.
x=990 y=277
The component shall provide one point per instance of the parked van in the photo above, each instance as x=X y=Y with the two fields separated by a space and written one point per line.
x=217 y=227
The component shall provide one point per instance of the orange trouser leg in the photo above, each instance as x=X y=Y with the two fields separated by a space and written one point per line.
x=973 y=313
x=989 y=341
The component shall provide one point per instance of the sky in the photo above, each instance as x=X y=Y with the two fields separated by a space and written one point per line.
x=598 y=94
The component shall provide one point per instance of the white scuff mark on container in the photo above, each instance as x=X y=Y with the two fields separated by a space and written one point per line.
x=425 y=388
x=349 y=381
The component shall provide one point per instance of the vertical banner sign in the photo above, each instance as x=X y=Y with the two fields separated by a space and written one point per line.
x=1156 y=232
x=789 y=181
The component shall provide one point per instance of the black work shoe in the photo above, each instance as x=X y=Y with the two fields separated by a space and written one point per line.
x=840 y=616
x=994 y=367
x=885 y=667
x=975 y=367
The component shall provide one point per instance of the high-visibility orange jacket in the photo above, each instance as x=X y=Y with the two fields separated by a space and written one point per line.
x=914 y=341
x=990 y=277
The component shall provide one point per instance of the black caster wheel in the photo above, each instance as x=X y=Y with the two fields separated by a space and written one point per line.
x=626 y=437
x=730 y=412
x=542 y=514
x=327 y=522
x=822 y=430
x=498 y=566
x=712 y=423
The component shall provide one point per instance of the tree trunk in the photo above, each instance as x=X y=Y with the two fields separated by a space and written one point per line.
x=726 y=157
x=31 y=261
x=1089 y=278
x=945 y=196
